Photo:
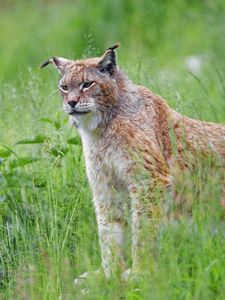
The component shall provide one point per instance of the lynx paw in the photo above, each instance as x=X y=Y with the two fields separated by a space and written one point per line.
x=82 y=278
x=129 y=274
x=126 y=275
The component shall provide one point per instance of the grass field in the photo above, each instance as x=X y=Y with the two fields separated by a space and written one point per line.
x=48 y=233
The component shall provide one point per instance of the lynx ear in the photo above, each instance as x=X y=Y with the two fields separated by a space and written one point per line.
x=59 y=62
x=107 y=63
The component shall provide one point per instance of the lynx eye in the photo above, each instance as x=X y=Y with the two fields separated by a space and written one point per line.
x=86 y=85
x=64 y=88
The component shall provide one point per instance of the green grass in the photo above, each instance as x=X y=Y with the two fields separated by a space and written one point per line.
x=48 y=233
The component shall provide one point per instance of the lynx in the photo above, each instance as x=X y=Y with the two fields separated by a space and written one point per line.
x=128 y=135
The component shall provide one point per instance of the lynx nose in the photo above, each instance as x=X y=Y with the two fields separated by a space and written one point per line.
x=72 y=103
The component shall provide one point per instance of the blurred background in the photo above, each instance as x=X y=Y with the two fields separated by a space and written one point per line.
x=162 y=32
x=174 y=47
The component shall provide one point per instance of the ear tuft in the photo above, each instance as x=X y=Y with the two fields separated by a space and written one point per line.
x=47 y=62
x=59 y=62
x=117 y=45
x=107 y=63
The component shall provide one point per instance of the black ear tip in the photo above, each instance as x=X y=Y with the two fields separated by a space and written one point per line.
x=117 y=45
x=47 y=62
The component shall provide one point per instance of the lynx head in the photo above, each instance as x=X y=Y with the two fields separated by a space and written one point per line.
x=88 y=87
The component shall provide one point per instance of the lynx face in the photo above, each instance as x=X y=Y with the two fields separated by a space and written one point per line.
x=88 y=88
x=84 y=90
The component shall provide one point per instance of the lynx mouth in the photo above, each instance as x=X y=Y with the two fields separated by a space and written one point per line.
x=72 y=113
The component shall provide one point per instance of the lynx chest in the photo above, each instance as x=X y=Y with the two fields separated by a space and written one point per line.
x=106 y=161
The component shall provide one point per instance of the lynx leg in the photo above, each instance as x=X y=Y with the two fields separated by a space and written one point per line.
x=147 y=210
x=111 y=238
x=135 y=228
x=136 y=238
x=111 y=225
x=111 y=243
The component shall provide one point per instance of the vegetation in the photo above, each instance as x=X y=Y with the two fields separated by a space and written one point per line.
x=48 y=230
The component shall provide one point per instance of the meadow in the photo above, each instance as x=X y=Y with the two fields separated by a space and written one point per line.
x=48 y=232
